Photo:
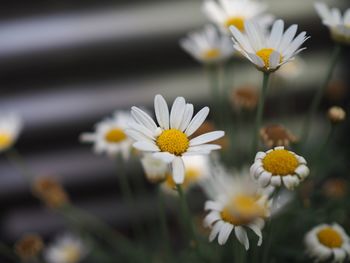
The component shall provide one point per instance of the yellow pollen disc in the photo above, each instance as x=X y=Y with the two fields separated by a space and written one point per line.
x=265 y=54
x=235 y=21
x=5 y=140
x=173 y=141
x=211 y=53
x=330 y=238
x=242 y=210
x=280 y=162
x=191 y=176
x=115 y=135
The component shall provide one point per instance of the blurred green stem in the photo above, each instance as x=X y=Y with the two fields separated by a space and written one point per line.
x=187 y=220
x=318 y=96
x=214 y=80
x=163 y=225
x=127 y=194
x=8 y=252
x=259 y=112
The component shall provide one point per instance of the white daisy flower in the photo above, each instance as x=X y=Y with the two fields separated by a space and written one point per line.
x=239 y=205
x=207 y=45
x=110 y=136
x=338 y=25
x=156 y=170
x=196 y=171
x=10 y=128
x=171 y=139
x=268 y=52
x=328 y=242
x=279 y=166
x=66 y=249
x=226 y=13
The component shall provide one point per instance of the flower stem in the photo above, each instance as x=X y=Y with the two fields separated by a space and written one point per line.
x=127 y=195
x=318 y=96
x=259 y=113
x=7 y=252
x=213 y=72
x=187 y=220
x=164 y=226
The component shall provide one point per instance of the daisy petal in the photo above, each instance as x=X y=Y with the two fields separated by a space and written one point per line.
x=147 y=146
x=274 y=59
x=162 y=111
x=224 y=233
x=215 y=231
x=178 y=170
x=257 y=231
x=187 y=117
x=143 y=118
x=164 y=156
x=204 y=147
x=197 y=121
x=206 y=137
x=242 y=237
x=177 y=112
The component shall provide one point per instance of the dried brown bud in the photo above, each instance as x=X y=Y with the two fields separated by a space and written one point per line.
x=50 y=192
x=335 y=188
x=276 y=135
x=245 y=97
x=29 y=246
x=336 y=114
x=337 y=90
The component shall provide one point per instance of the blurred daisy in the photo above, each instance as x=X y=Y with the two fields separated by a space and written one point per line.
x=279 y=166
x=244 y=97
x=239 y=205
x=156 y=170
x=66 y=249
x=292 y=70
x=29 y=246
x=196 y=170
x=10 y=127
x=110 y=136
x=226 y=13
x=207 y=45
x=338 y=25
x=268 y=53
x=327 y=242
x=170 y=140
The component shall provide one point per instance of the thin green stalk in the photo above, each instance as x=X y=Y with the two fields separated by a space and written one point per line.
x=8 y=252
x=164 y=226
x=318 y=96
x=213 y=73
x=189 y=228
x=14 y=157
x=259 y=113
x=270 y=230
x=127 y=195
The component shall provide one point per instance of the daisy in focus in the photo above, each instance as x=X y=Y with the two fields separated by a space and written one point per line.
x=338 y=25
x=66 y=249
x=278 y=167
x=196 y=171
x=327 y=242
x=110 y=137
x=268 y=52
x=207 y=45
x=226 y=13
x=170 y=139
x=239 y=205
x=10 y=128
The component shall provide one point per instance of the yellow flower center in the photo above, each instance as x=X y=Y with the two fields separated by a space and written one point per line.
x=173 y=141
x=115 y=135
x=5 y=140
x=265 y=54
x=235 y=21
x=330 y=238
x=211 y=53
x=71 y=254
x=242 y=210
x=280 y=162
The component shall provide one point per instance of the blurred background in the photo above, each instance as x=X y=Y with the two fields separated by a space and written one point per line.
x=64 y=65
